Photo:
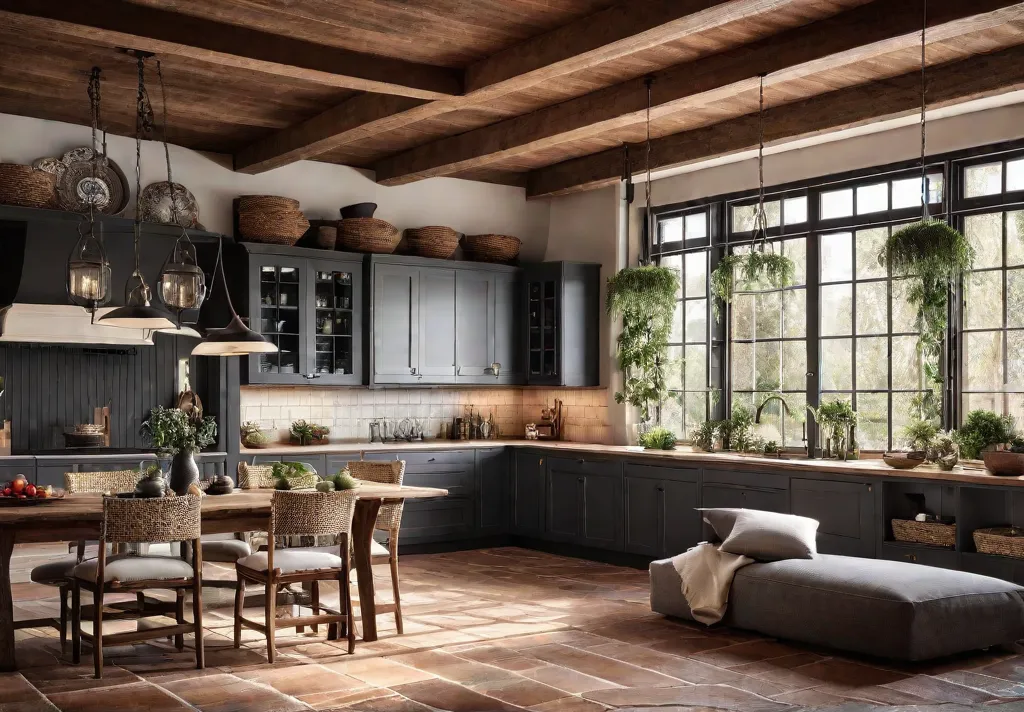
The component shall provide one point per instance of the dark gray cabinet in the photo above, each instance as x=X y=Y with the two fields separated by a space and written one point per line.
x=492 y=486
x=437 y=325
x=660 y=508
x=310 y=306
x=474 y=325
x=508 y=319
x=562 y=322
x=529 y=485
x=584 y=502
x=845 y=512
x=396 y=324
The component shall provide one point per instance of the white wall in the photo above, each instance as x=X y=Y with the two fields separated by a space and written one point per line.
x=467 y=206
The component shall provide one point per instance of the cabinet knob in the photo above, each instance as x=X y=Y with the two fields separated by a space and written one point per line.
x=431 y=459
x=310 y=376
x=580 y=480
x=661 y=489
x=870 y=489
x=412 y=371
x=581 y=461
x=912 y=557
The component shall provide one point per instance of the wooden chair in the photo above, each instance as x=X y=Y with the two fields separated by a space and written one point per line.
x=389 y=519
x=58 y=573
x=128 y=521
x=301 y=514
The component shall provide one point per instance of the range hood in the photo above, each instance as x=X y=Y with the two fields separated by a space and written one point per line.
x=68 y=324
x=34 y=307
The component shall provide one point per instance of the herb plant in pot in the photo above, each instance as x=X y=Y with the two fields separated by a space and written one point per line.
x=173 y=431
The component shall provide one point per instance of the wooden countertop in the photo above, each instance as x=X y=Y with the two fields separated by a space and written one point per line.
x=862 y=468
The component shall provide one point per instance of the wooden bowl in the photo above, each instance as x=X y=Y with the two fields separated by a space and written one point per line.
x=1004 y=462
x=903 y=460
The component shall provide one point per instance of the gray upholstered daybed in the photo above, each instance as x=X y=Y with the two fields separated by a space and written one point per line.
x=884 y=608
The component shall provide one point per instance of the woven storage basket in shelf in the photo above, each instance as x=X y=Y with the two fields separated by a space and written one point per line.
x=367 y=235
x=260 y=203
x=491 y=248
x=276 y=227
x=27 y=187
x=1002 y=541
x=931 y=533
x=326 y=237
x=432 y=241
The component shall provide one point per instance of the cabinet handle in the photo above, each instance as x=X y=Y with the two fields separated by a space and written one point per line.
x=458 y=370
x=581 y=461
x=661 y=489
x=869 y=489
x=310 y=376
x=911 y=557
x=431 y=459
x=412 y=371
x=580 y=480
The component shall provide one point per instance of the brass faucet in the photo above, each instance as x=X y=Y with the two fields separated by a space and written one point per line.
x=766 y=401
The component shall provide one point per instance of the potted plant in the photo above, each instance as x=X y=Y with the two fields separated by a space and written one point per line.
x=320 y=433
x=944 y=450
x=253 y=436
x=738 y=431
x=753 y=268
x=921 y=435
x=704 y=437
x=658 y=439
x=175 y=432
x=835 y=421
x=984 y=430
x=645 y=298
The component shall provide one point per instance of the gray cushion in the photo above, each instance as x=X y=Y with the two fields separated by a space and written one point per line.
x=54 y=573
x=770 y=536
x=293 y=560
x=225 y=550
x=136 y=568
x=890 y=609
x=720 y=519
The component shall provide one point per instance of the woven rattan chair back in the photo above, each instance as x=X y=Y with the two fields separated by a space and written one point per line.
x=312 y=513
x=390 y=472
x=112 y=481
x=262 y=477
x=160 y=519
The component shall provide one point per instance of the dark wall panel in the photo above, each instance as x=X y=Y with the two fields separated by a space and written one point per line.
x=50 y=388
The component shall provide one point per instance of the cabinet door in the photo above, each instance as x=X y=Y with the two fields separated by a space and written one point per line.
x=563 y=504
x=681 y=522
x=441 y=519
x=474 y=326
x=508 y=350
x=396 y=324
x=437 y=325
x=335 y=302
x=602 y=511
x=492 y=489
x=543 y=331
x=845 y=512
x=528 y=494
x=278 y=297
x=643 y=515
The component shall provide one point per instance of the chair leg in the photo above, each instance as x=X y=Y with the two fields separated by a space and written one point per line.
x=345 y=591
x=179 y=617
x=393 y=561
x=197 y=618
x=76 y=623
x=270 y=619
x=63 y=617
x=97 y=631
x=239 y=602
x=314 y=602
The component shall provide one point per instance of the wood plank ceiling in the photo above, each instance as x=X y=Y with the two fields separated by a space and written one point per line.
x=540 y=93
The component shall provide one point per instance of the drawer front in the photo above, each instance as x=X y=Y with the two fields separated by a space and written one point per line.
x=942 y=558
x=660 y=472
x=745 y=498
x=415 y=459
x=845 y=513
x=459 y=481
x=759 y=480
x=437 y=520
x=584 y=466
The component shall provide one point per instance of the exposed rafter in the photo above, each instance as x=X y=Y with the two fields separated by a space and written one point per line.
x=953 y=83
x=840 y=40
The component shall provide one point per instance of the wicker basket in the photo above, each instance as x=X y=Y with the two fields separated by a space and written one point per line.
x=1002 y=541
x=261 y=203
x=491 y=248
x=326 y=237
x=27 y=187
x=367 y=235
x=277 y=227
x=931 y=533
x=432 y=241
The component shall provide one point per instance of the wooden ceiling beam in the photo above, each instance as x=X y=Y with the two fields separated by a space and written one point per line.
x=618 y=31
x=862 y=33
x=124 y=24
x=953 y=83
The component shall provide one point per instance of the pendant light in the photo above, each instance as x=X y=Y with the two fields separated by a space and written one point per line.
x=182 y=284
x=138 y=313
x=235 y=339
x=88 y=273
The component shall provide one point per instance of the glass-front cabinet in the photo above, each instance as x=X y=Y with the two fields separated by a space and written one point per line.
x=543 y=330
x=563 y=302
x=311 y=309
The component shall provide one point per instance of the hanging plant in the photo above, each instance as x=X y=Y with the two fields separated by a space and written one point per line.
x=645 y=298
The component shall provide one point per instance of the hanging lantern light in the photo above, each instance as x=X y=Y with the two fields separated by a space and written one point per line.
x=138 y=313
x=182 y=284
x=88 y=274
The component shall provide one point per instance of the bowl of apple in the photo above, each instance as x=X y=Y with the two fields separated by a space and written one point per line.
x=19 y=492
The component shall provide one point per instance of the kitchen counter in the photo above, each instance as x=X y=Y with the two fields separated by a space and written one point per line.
x=102 y=457
x=862 y=468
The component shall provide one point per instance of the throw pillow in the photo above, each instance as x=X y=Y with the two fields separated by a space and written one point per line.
x=770 y=536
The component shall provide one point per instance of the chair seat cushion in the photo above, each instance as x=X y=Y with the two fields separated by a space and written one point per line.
x=376 y=548
x=54 y=573
x=291 y=561
x=890 y=609
x=225 y=550
x=136 y=568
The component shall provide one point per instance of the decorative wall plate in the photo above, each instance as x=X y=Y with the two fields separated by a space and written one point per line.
x=76 y=188
x=156 y=205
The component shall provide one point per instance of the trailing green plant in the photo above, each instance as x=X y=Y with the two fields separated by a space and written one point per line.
x=983 y=428
x=293 y=475
x=305 y=433
x=253 y=435
x=171 y=430
x=645 y=298
x=756 y=269
x=932 y=256
x=705 y=435
x=921 y=434
x=723 y=279
x=658 y=439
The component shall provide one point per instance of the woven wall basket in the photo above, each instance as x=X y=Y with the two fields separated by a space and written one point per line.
x=27 y=187
x=367 y=235
x=275 y=227
x=432 y=241
x=932 y=533
x=262 y=203
x=491 y=248
x=1002 y=541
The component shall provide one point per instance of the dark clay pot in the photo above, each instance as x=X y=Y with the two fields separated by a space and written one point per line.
x=359 y=210
x=184 y=471
x=150 y=487
x=221 y=484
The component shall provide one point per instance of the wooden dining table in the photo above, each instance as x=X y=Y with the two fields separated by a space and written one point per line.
x=78 y=516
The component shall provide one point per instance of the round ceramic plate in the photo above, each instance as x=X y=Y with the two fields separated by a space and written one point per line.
x=156 y=205
x=28 y=501
x=77 y=188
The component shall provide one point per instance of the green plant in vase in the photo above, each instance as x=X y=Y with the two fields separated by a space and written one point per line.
x=983 y=429
x=705 y=436
x=645 y=298
x=921 y=434
x=835 y=419
x=175 y=432
x=658 y=439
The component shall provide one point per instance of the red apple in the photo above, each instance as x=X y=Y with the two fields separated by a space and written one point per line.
x=18 y=484
x=30 y=490
x=8 y=491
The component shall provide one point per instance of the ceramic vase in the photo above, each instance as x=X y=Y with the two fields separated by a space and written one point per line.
x=184 y=471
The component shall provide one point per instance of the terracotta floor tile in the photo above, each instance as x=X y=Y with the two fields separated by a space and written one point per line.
x=70 y=678
x=379 y=672
x=993 y=685
x=227 y=693
x=445 y=695
x=716 y=696
x=141 y=697
x=938 y=690
x=299 y=680
x=519 y=691
x=599 y=666
x=781 y=663
x=744 y=653
x=810 y=698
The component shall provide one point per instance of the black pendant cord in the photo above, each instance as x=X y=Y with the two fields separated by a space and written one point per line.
x=924 y=108
x=94 y=105
x=167 y=150
x=760 y=236
x=141 y=102
x=649 y=214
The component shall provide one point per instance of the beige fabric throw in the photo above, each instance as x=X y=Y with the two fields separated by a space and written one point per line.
x=707 y=574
